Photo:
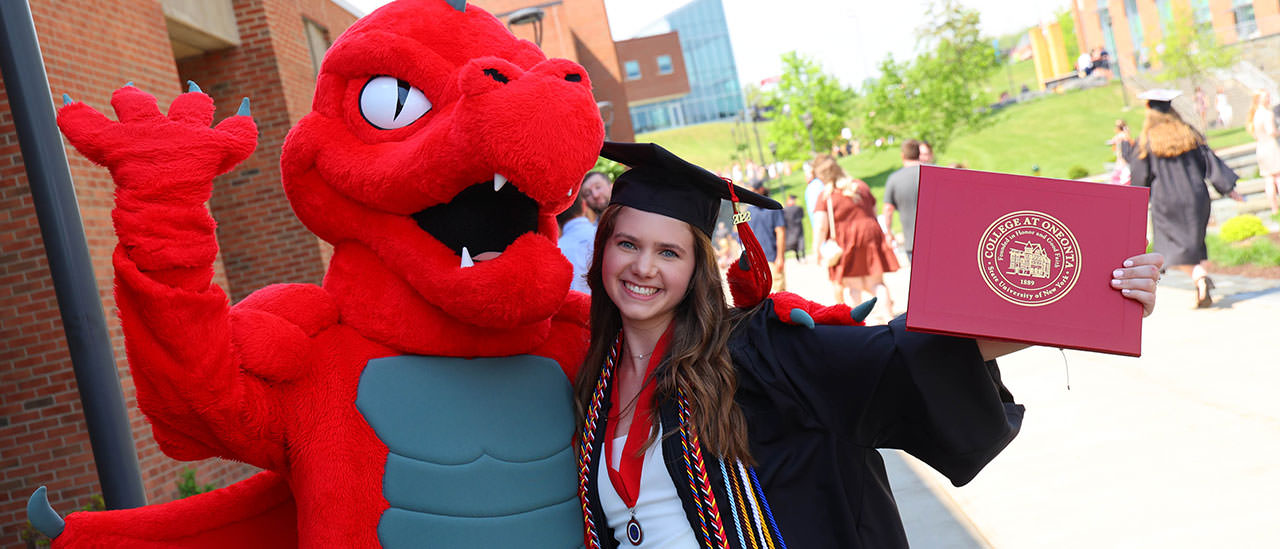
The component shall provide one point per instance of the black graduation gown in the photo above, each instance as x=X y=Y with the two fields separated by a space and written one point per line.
x=1179 y=198
x=818 y=402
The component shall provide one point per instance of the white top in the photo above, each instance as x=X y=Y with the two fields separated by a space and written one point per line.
x=577 y=241
x=658 y=508
x=1264 y=123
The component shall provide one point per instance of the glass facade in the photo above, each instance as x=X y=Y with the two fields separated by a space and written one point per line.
x=714 y=93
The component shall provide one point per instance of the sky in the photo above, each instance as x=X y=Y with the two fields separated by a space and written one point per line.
x=848 y=38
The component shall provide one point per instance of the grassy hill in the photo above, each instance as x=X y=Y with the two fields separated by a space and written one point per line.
x=1054 y=133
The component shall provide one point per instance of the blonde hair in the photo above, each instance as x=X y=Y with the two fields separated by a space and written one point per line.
x=1254 y=105
x=1166 y=135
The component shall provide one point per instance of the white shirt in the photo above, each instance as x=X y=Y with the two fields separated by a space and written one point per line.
x=577 y=241
x=658 y=508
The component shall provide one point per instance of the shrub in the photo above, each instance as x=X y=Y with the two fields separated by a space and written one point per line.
x=1241 y=227
x=1077 y=172
x=1259 y=251
x=187 y=485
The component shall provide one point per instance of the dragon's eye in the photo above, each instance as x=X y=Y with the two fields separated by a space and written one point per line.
x=389 y=103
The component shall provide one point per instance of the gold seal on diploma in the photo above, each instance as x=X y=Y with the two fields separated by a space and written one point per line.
x=1029 y=258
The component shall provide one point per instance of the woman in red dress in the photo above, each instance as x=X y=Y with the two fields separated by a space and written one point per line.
x=866 y=256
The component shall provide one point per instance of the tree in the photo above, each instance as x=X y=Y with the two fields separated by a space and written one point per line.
x=1189 y=50
x=940 y=91
x=803 y=89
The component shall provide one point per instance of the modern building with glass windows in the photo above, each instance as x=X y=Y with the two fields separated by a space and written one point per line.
x=714 y=92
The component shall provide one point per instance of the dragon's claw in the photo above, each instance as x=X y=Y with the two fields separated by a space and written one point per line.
x=799 y=316
x=860 y=312
x=42 y=515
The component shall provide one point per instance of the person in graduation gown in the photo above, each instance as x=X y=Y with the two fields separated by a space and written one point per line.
x=1173 y=159
x=706 y=427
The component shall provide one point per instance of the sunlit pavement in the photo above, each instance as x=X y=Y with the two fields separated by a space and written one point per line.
x=1178 y=448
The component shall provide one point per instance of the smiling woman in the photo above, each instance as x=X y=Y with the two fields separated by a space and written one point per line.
x=705 y=426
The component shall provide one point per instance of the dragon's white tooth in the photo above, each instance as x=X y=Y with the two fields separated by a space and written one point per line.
x=466 y=258
x=570 y=192
x=498 y=181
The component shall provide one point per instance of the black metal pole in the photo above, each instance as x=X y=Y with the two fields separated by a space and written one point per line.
x=54 y=198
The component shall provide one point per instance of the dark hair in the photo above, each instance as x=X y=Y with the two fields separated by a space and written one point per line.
x=697 y=360
x=911 y=149
x=575 y=210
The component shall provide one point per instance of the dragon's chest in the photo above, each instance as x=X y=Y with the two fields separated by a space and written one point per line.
x=479 y=454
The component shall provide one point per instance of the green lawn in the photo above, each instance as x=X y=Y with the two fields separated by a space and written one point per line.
x=1054 y=133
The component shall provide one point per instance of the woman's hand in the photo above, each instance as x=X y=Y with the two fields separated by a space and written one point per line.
x=1235 y=195
x=1137 y=279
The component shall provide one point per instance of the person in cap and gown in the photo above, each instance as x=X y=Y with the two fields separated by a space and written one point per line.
x=706 y=426
x=1173 y=160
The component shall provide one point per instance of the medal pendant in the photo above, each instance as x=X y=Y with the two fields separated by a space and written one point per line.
x=635 y=535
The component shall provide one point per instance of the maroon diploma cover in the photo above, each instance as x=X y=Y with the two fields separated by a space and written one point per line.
x=1026 y=259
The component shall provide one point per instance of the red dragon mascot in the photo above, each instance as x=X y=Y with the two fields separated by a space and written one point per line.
x=420 y=397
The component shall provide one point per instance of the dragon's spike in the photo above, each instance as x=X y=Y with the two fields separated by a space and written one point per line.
x=42 y=515
x=460 y=5
x=860 y=312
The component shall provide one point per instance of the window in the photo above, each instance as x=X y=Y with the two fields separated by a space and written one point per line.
x=1201 y=13
x=1246 y=25
x=664 y=64
x=317 y=42
x=632 y=69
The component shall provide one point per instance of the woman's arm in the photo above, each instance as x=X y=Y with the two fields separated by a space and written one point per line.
x=1135 y=280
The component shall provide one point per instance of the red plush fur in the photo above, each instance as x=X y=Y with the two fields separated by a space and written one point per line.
x=273 y=381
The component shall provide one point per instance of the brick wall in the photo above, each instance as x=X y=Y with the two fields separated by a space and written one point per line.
x=43 y=439
x=652 y=85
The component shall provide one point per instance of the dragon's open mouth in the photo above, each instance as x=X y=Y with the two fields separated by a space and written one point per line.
x=480 y=218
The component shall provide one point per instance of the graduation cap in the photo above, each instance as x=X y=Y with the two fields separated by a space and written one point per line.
x=1160 y=99
x=663 y=183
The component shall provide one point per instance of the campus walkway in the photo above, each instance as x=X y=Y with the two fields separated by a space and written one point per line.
x=1176 y=449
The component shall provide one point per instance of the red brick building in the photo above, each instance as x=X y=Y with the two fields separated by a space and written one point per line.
x=267 y=50
x=654 y=68
x=1132 y=29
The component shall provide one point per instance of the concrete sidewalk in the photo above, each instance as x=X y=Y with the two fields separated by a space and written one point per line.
x=1175 y=449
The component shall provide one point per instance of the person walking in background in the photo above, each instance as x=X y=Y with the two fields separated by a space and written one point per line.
x=812 y=189
x=1202 y=107
x=771 y=230
x=1119 y=142
x=926 y=153
x=866 y=254
x=1262 y=126
x=1173 y=160
x=578 y=228
x=1223 y=106
x=793 y=217
x=900 y=196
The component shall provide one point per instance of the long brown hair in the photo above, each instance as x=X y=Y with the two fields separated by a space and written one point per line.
x=697 y=359
x=1166 y=135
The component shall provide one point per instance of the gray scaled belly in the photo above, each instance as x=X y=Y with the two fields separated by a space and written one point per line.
x=480 y=451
